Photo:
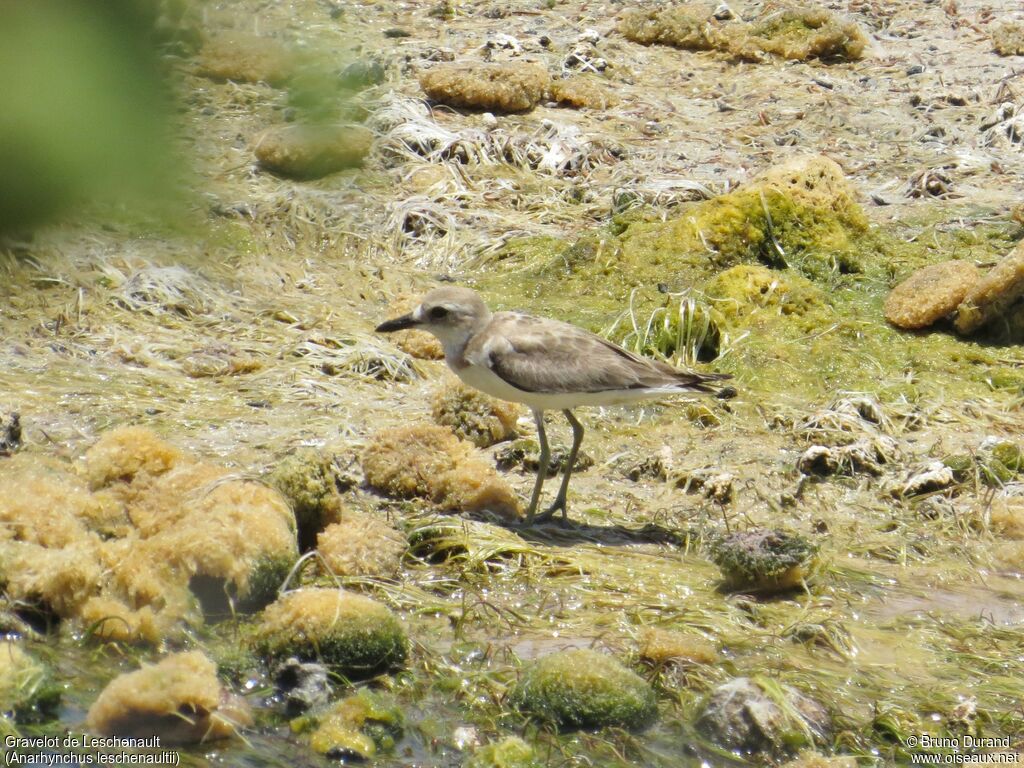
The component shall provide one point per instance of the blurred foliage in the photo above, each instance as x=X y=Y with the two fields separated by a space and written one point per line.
x=84 y=109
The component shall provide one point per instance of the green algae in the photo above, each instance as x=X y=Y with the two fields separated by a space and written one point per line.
x=810 y=327
x=584 y=689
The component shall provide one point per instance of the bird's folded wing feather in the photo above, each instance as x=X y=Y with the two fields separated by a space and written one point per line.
x=549 y=356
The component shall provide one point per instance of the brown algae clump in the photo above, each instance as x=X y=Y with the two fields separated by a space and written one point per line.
x=361 y=545
x=583 y=92
x=356 y=636
x=1008 y=38
x=801 y=33
x=761 y=715
x=792 y=32
x=309 y=480
x=312 y=151
x=663 y=646
x=763 y=561
x=28 y=692
x=246 y=59
x=584 y=689
x=123 y=453
x=690 y=26
x=514 y=87
x=120 y=557
x=481 y=419
x=991 y=298
x=180 y=700
x=358 y=727
x=930 y=294
x=429 y=461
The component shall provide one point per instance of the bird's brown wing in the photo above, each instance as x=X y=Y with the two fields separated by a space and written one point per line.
x=548 y=356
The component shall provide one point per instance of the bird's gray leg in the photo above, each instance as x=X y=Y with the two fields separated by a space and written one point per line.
x=560 y=499
x=542 y=466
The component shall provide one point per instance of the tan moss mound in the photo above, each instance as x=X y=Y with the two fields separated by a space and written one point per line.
x=238 y=532
x=246 y=59
x=790 y=31
x=180 y=700
x=1008 y=38
x=690 y=26
x=124 y=453
x=360 y=545
x=27 y=689
x=474 y=416
x=312 y=151
x=122 y=558
x=308 y=479
x=358 y=637
x=993 y=295
x=662 y=646
x=42 y=503
x=584 y=689
x=1007 y=516
x=583 y=92
x=493 y=87
x=429 y=461
x=801 y=32
x=930 y=294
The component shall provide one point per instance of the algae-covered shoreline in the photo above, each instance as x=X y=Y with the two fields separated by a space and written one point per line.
x=233 y=516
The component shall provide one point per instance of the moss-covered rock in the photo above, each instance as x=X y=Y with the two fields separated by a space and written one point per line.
x=930 y=294
x=28 y=692
x=804 y=32
x=510 y=752
x=312 y=151
x=512 y=87
x=429 y=461
x=180 y=699
x=354 y=635
x=1008 y=38
x=361 y=545
x=763 y=560
x=474 y=416
x=308 y=479
x=246 y=59
x=584 y=689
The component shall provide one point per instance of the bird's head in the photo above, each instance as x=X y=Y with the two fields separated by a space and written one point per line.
x=451 y=314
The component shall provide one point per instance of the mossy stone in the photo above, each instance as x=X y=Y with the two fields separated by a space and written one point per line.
x=354 y=635
x=763 y=560
x=584 y=689
x=309 y=481
x=511 y=752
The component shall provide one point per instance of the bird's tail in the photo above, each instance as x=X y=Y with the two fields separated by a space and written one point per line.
x=700 y=382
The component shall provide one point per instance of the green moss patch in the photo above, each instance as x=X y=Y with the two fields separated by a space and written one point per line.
x=584 y=689
x=355 y=635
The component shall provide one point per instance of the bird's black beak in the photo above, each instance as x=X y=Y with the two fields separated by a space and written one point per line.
x=398 y=324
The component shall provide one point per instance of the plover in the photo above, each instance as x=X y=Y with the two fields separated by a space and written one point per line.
x=544 y=364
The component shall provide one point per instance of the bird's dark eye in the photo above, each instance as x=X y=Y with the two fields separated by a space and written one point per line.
x=438 y=312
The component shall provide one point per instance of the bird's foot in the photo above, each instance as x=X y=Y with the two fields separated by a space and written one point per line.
x=548 y=513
